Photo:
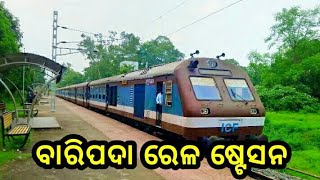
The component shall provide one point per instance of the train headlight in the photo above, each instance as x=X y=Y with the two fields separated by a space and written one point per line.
x=204 y=111
x=254 y=111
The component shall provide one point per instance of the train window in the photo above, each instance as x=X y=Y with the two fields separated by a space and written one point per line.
x=99 y=96
x=205 y=88
x=238 y=90
x=103 y=96
x=168 y=93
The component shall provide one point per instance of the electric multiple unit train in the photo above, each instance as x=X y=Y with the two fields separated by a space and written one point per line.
x=202 y=97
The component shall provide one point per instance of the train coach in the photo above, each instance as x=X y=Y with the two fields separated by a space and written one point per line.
x=202 y=97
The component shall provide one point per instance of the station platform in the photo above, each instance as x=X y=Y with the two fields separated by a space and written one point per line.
x=41 y=122
x=75 y=119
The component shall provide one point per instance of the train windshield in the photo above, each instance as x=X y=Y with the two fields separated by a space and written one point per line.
x=205 y=88
x=238 y=90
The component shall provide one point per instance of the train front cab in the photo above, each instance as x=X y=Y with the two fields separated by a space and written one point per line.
x=219 y=100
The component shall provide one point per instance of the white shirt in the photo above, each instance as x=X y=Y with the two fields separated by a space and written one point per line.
x=159 y=98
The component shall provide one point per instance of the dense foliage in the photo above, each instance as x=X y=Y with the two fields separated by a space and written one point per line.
x=106 y=54
x=282 y=98
x=288 y=79
x=70 y=76
x=10 y=36
x=10 y=42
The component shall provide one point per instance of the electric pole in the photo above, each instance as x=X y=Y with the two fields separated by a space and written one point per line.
x=55 y=36
x=54 y=56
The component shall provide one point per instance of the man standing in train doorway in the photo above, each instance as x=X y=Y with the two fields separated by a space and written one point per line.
x=159 y=107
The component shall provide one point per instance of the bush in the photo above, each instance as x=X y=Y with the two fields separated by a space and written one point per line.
x=286 y=98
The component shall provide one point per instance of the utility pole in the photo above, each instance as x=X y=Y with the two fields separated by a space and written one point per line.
x=54 y=56
x=23 y=74
x=55 y=36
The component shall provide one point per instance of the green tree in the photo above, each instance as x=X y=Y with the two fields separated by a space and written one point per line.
x=105 y=55
x=288 y=78
x=70 y=77
x=9 y=32
x=126 y=69
x=310 y=74
x=293 y=25
x=14 y=23
x=258 y=66
x=158 y=51
x=10 y=42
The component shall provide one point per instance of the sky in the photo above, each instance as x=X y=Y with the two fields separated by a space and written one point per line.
x=235 y=31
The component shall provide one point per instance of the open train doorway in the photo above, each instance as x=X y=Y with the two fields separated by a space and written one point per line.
x=107 y=96
x=139 y=93
x=159 y=103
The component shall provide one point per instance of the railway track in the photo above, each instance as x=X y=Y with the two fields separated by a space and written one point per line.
x=255 y=173
x=261 y=174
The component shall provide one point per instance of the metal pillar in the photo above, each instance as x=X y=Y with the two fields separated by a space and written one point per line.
x=53 y=97
x=14 y=101
x=37 y=96
x=21 y=97
x=23 y=75
x=55 y=36
x=54 y=55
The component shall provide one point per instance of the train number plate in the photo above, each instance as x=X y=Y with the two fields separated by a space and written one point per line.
x=229 y=126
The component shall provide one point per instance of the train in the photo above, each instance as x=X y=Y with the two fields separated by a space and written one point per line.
x=203 y=98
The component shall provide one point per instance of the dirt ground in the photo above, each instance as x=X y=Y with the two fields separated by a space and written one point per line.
x=93 y=126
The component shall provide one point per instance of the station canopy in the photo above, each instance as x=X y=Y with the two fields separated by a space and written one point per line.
x=20 y=59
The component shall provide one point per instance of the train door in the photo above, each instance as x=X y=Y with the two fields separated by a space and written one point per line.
x=87 y=95
x=113 y=96
x=159 y=107
x=82 y=95
x=139 y=93
x=107 y=96
x=75 y=95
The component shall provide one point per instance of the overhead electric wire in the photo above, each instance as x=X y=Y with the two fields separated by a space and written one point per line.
x=204 y=17
x=77 y=30
x=86 y=32
x=170 y=10
x=69 y=42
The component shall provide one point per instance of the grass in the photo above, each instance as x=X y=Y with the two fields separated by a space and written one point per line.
x=6 y=156
x=11 y=155
x=302 y=132
x=10 y=152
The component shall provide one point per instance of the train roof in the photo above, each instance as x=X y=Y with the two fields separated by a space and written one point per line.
x=74 y=85
x=160 y=70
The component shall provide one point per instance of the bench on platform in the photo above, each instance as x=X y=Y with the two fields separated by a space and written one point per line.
x=10 y=130
x=27 y=110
